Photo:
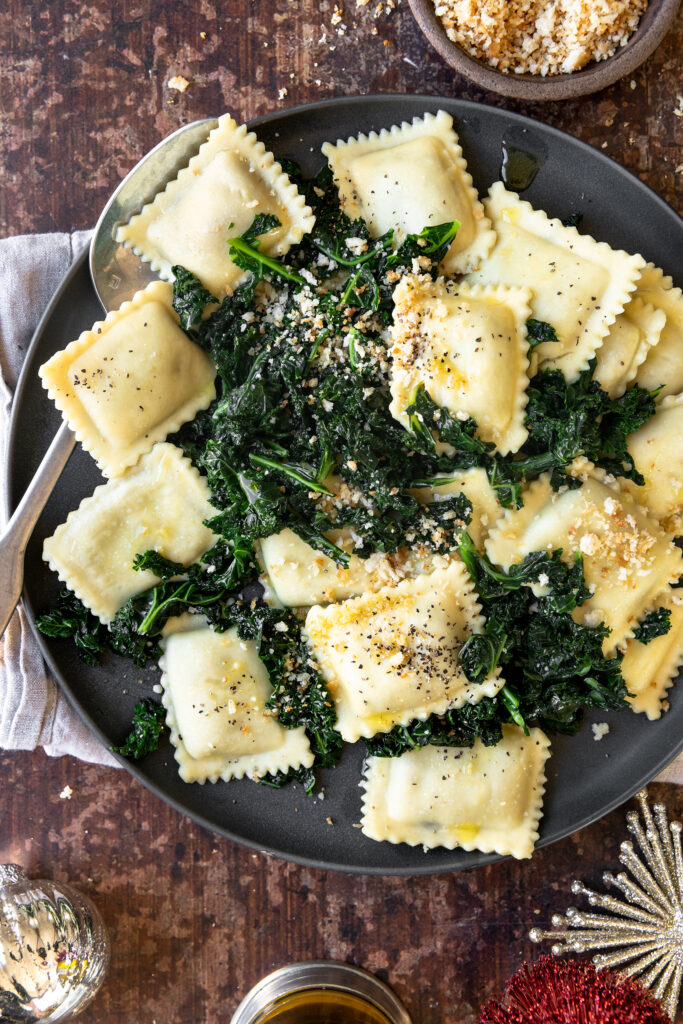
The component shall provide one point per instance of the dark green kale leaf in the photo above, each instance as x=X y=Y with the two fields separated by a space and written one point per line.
x=563 y=420
x=300 y=696
x=190 y=298
x=155 y=562
x=245 y=251
x=261 y=225
x=454 y=729
x=538 y=332
x=432 y=241
x=656 y=623
x=69 y=618
x=205 y=588
x=331 y=233
x=427 y=419
x=566 y=420
x=573 y=220
x=625 y=415
x=149 y=721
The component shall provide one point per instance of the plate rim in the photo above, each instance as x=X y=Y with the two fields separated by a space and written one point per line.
x=73 y=271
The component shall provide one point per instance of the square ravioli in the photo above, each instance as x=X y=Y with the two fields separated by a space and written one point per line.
x=230 y=181
x=628 y=560
x=649 y=670
x=663 y=366
x=409 y=178
x=215 y=689
x=392 y=656
x=159 y=505
x=476 y=798
x=657 y=450
x=468 y=346
x=579 y=285
x=130 y=380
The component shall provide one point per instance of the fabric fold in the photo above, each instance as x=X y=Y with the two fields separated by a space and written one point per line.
x=33 y=712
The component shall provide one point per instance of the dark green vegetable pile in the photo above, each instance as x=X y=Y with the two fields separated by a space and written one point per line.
x=303 y=393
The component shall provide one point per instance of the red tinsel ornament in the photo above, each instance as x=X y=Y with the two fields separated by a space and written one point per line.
x=554 y=991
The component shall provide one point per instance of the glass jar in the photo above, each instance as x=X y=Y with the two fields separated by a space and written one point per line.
x=320 y=992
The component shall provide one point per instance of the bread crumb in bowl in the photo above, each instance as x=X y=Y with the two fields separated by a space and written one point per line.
x=536 y=37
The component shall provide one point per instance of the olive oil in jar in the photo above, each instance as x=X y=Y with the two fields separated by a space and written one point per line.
x=320 y=992
x=321 y=1006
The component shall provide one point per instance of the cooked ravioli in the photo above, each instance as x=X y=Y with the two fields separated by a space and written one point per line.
x=663 y=366
x=474 y=484
x=230 y=181
x=650 y=669
x=412 y=177
x=657 y=450
x=626 y=347
x=215 y=691
x=392 y=656
x=628 y=560
x=580 y=285
x=131 y=380
x=467 y=345
x=477 y=798
x=159 y=505
x=301 y=575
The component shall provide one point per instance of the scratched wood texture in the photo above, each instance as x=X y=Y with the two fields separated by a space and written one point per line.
x=196 y=920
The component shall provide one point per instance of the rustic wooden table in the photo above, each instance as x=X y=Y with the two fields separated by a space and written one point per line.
x=196 y=920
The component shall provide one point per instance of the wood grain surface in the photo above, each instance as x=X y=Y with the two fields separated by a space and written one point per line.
x=196 y=920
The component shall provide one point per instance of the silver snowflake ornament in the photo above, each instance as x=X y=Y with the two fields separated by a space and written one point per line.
x=645 y=932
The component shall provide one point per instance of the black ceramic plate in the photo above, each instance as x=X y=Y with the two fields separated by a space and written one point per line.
x=585 y=778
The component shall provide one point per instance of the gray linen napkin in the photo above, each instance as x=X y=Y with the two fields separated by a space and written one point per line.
x=33 y=713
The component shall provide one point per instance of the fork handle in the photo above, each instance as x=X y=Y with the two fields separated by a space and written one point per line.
x=20 y=527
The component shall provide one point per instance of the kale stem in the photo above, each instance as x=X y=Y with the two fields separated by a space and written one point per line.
x=289 y=471
x=157 y=608
x=537 y=463
x=277 y=448
x=511 y=701
x=327 y=461
x=240 y=246
x=353 y=335
x=349 y=288
x=359 y=261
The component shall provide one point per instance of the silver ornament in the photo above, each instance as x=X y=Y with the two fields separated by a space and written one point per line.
x=645 y=932
x=54 y=949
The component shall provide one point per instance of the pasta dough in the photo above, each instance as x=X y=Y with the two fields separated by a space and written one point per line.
x=626 y=347
x=467 y=345
x=477 y=798
x=131 y=380
x=215 y=691
x=657 y=450
x=650 y=669
x=159 y=505
x=391 y=657
x=216 y=197
x=580 y=285
x=664 y=362
x=628 y=560
x=300 y=575
x=411 y=177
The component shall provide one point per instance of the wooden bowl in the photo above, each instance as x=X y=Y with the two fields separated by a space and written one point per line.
x=654 y=24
